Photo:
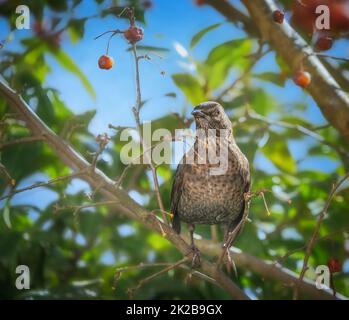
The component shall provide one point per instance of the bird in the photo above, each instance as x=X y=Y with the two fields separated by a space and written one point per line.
x=200 y=194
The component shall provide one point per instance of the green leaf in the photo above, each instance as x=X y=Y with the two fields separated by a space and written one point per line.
x=198 y=36
x=283 y=64
x=231 y=54
x=67 y=62
x=273 y=77
x=261 y=101
x=276 y=150
x=6 y=216
x=190 y=86
x=57 y=5
x=76 y=29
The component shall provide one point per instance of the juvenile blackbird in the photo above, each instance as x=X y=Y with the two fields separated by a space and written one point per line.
x=199 y=194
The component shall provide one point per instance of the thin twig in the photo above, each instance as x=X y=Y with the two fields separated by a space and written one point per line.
x=254 y=59
x=42 y=184
x=20 y=140
x=331 y=57
x=77 y=208
x=147 y=279
x=114 y=32
x=250 y=114
x=120 y=270
x=70 y=157
x=102 y=140
x=291 y=252
x=136 y=111
x=7 y=175
x=232 y=236
x=311 y=241
x=214 y=233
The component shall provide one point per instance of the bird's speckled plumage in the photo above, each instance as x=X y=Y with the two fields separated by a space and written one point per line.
x=200 y=198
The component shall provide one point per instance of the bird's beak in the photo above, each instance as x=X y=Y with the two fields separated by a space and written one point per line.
x=197 y=113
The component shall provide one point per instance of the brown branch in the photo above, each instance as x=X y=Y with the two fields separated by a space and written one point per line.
x=132 y=210
x=331 y=57
x=326 y=237
x=250 y=114
x=19 y=141
x=77 y=208
x=42 y=184
x=331 y=99
x=311 y=241
x=136 y=111
x=125 y=205
x=235 y=15
x=102 y=140
x=7 y=175
x=195 y=273
x=268 y=270
x=151 y=277
x=233 y=235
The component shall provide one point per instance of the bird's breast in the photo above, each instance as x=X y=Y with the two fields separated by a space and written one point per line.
x=210 y=199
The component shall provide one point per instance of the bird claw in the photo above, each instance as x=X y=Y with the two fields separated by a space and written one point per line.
x=196 y=261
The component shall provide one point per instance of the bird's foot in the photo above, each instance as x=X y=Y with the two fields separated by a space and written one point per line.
x=196 y=260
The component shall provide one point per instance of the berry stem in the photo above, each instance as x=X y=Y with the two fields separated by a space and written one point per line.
x=136 y=111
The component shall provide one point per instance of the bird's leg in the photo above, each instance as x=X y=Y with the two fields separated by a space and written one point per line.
x=196 y=253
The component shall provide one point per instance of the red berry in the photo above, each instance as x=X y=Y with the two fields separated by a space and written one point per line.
x=334 y=265
x=133 y=34
x=200 y=2
x=105 y=62
x=323 y=43
x=339 y=16
x=278 y=16
x=147 y=4
x=304 y=14
x=302 y=78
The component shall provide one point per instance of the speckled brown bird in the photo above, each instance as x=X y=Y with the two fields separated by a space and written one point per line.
x=200 y=197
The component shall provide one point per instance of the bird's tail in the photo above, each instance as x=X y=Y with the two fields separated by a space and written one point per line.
x=176 y=224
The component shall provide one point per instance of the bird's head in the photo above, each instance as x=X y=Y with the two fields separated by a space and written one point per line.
x=211 y=115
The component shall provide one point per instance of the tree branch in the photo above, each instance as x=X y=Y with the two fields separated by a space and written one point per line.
x=98 y=179
x=311 y=241
x=132 y=210
x=136 y=111
x=234 y=15
x=40 y=184
x=331 y=99
x=19 y=140
x=250 y=114
x=269 y=270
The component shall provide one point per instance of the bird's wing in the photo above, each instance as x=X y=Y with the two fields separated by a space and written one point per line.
x=246 y=184
x=176 y=193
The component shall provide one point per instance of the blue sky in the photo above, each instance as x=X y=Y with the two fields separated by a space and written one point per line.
x=167 y=22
